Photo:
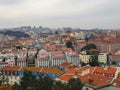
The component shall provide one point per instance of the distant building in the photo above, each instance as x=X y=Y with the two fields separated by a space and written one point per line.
x=105 y=44
x=78 y=35
x=57 y=58
x=102 y=58
x=43 y=59
x=21 y=59
x=3 y=64
x=73 y=57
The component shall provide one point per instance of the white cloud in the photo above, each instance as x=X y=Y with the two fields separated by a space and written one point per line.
x=83 y=13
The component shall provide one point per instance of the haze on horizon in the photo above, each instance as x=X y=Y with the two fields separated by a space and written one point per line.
x=60 y=13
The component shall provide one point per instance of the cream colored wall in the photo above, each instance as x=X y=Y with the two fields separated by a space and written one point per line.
x=101 y=58
x=10 y=79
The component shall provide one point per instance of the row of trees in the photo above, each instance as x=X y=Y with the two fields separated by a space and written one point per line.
x=31 y=82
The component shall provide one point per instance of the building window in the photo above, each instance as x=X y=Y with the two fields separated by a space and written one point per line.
x=11 y=77
x=7 y=72
x=15 y=77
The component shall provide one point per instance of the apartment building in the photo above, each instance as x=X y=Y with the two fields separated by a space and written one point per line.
x=102 y=58
x=57 y=58
x=13 y=74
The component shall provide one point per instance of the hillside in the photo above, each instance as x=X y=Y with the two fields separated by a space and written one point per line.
x=17 y=34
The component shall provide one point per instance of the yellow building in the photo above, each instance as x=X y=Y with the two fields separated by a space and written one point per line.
x=102 y=58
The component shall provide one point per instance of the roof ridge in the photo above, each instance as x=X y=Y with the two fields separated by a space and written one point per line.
x=20 y=68
x=41 y=69
x=94 y=69
x=116 y=74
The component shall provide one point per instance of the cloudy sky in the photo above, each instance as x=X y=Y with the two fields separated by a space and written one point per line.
x=60 y=13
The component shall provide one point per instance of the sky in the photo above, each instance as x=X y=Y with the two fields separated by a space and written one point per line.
x=85 y=14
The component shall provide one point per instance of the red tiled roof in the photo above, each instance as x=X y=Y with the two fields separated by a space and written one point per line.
x=51 y=70
x=58 y=56
x=65 y=64
x=96 y=80
x=14 y=68
x=108 y=70
x=90 y=78
x=66 y=77
x=57 y=52
x=3 y=62
x=33 y=69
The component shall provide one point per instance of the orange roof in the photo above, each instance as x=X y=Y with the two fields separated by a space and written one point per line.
x=66 y=77
x=93 y=50
x=65 y=64
x=58 y=56
x=71 y=71
x=3 y=62
x=13 y=68
x=59 y=52
x=66 y=49
x=109 y=70
x=51 y=70
x=89 y=78
x=116 y=55
x=33 y=69
x=96 y=80
x=92 y=79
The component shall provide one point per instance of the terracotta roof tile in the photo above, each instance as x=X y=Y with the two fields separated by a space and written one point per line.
x=52 y=70
x=65 y=64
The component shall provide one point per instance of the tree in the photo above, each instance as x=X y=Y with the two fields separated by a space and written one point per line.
x=16 y=87
x=28 y=80
x=45 y=83
x=15 y=60
x=93 y=61
x=69 y=44
x=31 y=82
x=36 y=53
x=58 y=85
x=74 y=84
x=88 y=47
x=27 y=57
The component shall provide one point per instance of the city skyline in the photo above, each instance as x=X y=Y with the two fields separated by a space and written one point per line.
x=84 y=14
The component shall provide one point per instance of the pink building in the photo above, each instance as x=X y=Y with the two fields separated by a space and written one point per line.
x=49 y=47
x=105 y=44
